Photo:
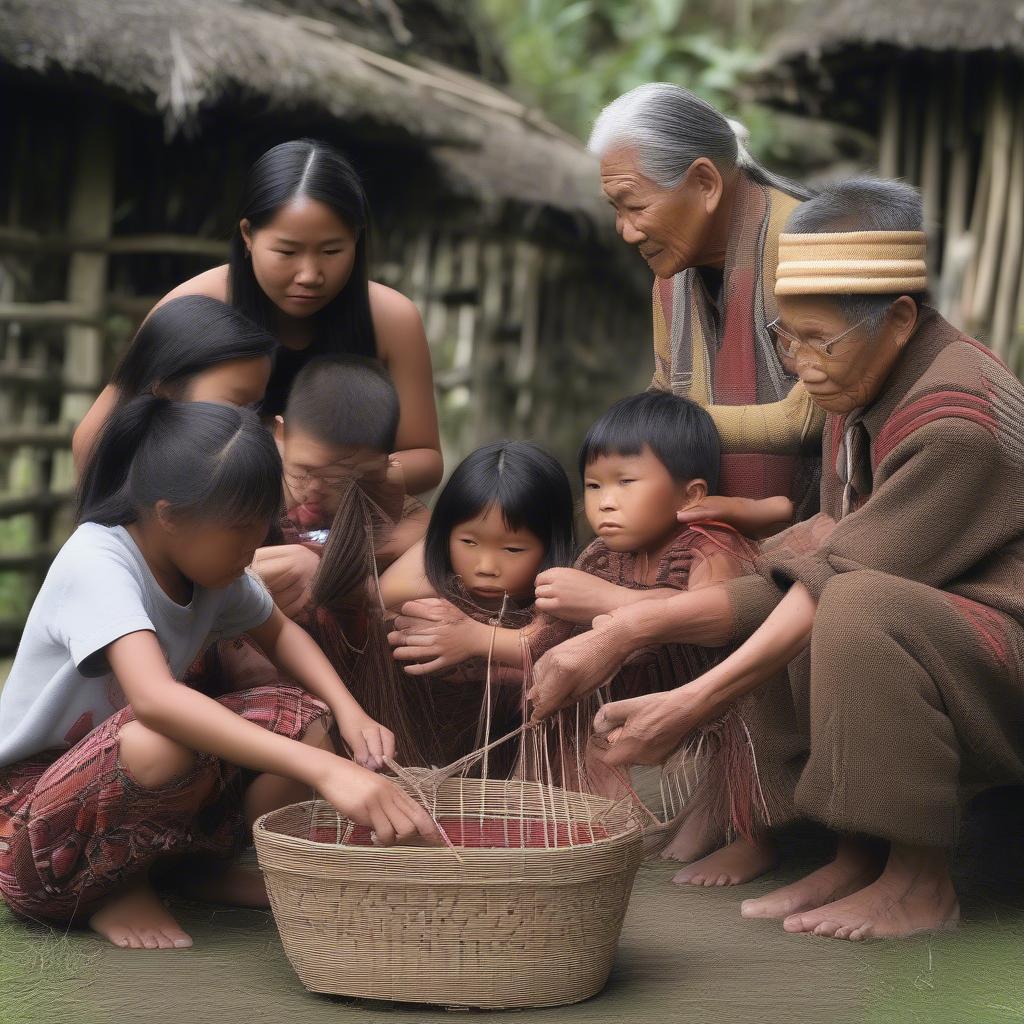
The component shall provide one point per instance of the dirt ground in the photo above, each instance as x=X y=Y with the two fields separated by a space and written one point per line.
x=685 y=955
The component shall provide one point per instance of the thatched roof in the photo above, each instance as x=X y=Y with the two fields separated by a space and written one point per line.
x=183 y=59
x=823 y=55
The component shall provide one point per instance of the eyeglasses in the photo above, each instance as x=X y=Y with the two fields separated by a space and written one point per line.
x=305 y=477
x=788 y=343
x=371 y=469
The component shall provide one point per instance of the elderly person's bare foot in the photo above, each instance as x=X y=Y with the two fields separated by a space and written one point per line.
x=134 y=918
x=913 y=894
x=695 y=836
x=739 y=862
x=853 y=867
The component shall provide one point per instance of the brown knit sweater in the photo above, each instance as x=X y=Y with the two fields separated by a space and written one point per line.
x=936 y=490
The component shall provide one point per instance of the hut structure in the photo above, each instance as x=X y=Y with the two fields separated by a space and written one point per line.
x=940 y=84
x=128 y=126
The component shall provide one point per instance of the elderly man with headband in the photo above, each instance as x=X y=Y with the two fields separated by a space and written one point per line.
x=908 y=694
x=706 y=217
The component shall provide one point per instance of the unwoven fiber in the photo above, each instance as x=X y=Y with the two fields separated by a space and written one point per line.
x=502 y=925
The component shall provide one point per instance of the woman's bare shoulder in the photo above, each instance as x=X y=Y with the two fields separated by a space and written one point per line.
x=396 y=320
x=212 y=282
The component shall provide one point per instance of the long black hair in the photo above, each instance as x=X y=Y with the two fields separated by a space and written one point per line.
x=306 y=168
x=681 y=434
x=207 y=460
x=525 y=482
x=181 y=339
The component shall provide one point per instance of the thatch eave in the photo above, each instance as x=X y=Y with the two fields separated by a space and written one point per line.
x=834 y=47
x=180 y=59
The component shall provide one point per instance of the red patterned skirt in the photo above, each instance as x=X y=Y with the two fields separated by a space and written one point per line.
x=74 y=825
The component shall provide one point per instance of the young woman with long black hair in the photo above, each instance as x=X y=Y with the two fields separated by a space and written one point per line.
x=299 y=269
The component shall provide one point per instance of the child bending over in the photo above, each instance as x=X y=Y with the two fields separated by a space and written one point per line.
x=110 y=764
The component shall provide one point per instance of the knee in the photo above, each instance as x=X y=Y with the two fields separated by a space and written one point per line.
x=318 y=733
x=151 y=759
x=855 y=606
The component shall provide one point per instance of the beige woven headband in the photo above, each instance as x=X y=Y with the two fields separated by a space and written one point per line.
x=852 y=263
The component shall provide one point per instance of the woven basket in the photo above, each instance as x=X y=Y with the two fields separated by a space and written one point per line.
x=507 y=927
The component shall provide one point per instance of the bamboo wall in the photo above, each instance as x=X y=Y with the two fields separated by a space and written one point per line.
x=955 y=127
x=529 y=338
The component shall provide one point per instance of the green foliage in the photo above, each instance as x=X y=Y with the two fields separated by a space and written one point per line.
x=571 y=57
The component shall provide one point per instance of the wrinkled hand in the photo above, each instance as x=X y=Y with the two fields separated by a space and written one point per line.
x=288 y=571
x=577 y=596
x=372 y=800
x=435 y=629
x=578 y=666
x=645 y=730
x=369 y=741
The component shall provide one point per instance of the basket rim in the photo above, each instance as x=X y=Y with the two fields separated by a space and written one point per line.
x=279 y=840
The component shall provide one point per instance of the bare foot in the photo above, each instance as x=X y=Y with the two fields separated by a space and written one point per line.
x=239 y=885
x=854 y=867
x=913 y=894
x=734 y=864
x=134 y=918
x=694 y=838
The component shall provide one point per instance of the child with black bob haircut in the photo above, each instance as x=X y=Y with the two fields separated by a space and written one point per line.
x=108 y=762
x=650 y=460
x=505 y=514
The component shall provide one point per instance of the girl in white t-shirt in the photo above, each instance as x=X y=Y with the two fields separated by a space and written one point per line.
x=109 y=763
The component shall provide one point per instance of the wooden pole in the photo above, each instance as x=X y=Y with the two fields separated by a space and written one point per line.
x=979 y=209
x=956 y=243
x=889 y=132
x=1006 y=296
x=990 y=243
x=89 y=216
x=931 y=162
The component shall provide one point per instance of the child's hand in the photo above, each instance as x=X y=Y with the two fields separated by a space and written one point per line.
x=576 y=596
x=372 y=800
x=435 y=629
x=288 y=571
x=370 y=742
x=753 y=517
x=713 y=507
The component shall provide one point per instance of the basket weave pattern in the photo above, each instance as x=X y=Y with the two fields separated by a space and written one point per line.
x=506 y=927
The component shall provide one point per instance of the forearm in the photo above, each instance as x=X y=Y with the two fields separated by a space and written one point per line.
x=702 y=617
x=788 y=427
x=422 y=468
x=508 y=645
x=782 y=636
x=761 y=518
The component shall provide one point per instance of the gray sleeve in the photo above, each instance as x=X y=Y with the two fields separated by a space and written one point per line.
x=247 y=604
x=101 y=600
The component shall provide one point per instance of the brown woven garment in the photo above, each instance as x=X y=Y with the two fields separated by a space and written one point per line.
x=716 y=350
x=913 y=692
x=719 y=765
x=456 y=699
